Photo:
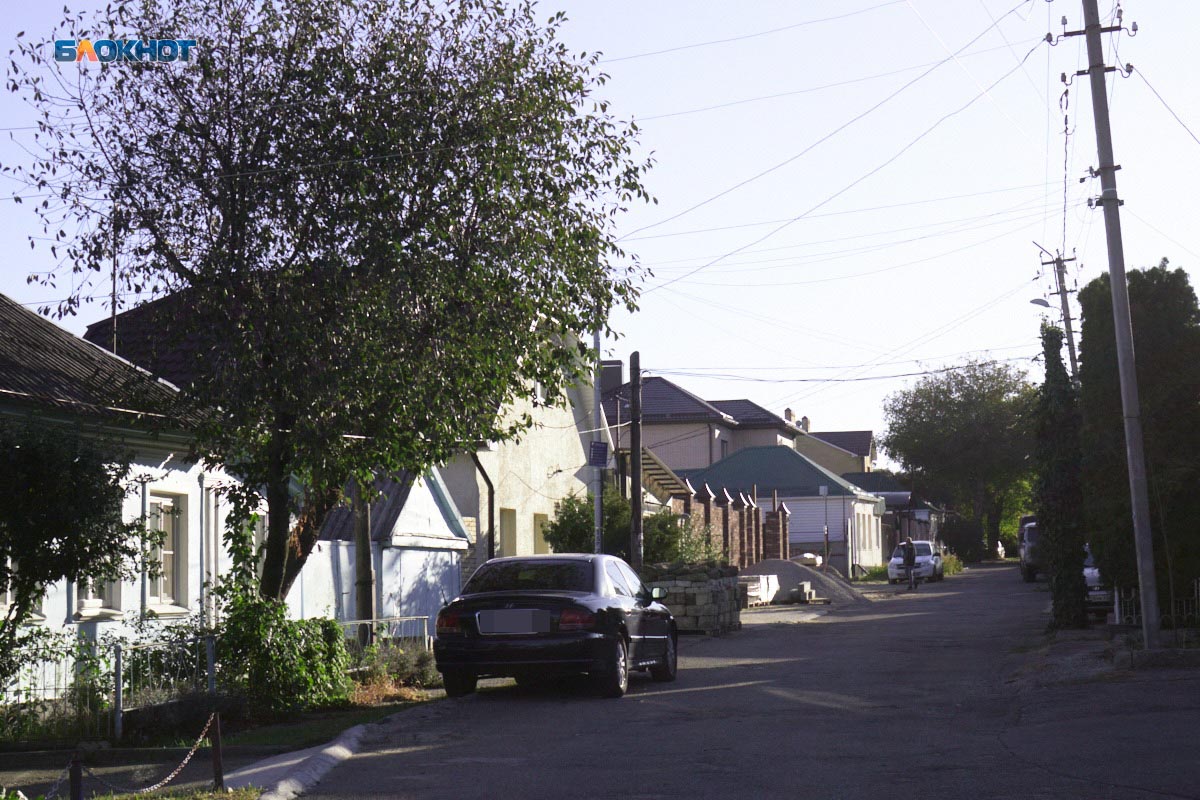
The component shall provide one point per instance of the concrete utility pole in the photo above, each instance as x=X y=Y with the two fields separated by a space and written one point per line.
x=1060 y=280
x=597 y=436
x=1135 y=456
x=635 y=469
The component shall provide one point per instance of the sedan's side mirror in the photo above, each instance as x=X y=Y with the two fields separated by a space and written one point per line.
x=658 y=593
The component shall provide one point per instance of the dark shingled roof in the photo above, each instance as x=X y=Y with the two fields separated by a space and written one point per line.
x=875 y=481
x=751 y=415
x=663 y=401
x=43 y=367
x=385 y=510
x=143 y=338
x=770 y=469
x=856 y=442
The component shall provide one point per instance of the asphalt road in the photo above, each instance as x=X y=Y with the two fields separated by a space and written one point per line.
x=947 y=692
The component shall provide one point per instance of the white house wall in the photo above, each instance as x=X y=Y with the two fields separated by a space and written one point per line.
x=410 y=582
x=806 y=528
x=201 y=554
x=761 y=437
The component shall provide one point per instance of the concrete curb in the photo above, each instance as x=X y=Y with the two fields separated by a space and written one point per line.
x=316 y=766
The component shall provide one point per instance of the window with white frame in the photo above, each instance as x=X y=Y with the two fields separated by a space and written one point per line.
x=169 y=555
x=8 y=596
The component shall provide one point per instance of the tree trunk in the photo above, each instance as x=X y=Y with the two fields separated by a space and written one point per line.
x=271 y=584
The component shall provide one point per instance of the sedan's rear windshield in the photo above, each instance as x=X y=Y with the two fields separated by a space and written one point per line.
x=569 y=576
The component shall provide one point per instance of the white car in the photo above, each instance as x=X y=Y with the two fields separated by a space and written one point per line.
x=928 y=567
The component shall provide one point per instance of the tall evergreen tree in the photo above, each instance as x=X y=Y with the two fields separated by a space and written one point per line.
x=1058 y=489
x=1166 y=334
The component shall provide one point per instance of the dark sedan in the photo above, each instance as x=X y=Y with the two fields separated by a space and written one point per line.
x=531 y=617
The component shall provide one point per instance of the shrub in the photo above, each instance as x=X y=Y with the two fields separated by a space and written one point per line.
x=951 y=564
x=876 y=574
x=282 y=664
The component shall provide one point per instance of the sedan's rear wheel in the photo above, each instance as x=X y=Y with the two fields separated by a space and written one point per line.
x=614 y=681
x=665 y=672
x=458 y=684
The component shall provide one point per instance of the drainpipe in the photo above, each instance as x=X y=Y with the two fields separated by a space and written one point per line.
x=491 y=492
x=145 y=578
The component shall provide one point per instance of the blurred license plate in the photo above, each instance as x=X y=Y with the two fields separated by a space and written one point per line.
x=514 y=620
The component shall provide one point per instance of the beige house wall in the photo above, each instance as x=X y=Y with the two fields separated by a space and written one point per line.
x=531 y=476
x=834 y=459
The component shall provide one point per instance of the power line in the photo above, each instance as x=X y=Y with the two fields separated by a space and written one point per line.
x=846 y=188
x=827 y=136
x=752 y=379
x=888 y=207
x=1182 y=124
x=811 y=89
x=754 y=35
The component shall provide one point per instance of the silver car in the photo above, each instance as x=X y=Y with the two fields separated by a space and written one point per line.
x=928 y=567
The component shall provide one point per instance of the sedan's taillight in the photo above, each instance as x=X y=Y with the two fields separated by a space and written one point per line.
x=448 y=622
x=576 y=619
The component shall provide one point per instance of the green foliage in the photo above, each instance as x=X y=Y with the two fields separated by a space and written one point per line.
x=281 y=664
x=396 y=230
x=966 y=436
x=964 y=536
x=401 y=665
x=664 y=536
x=879 y=573
x=79 y=712
x=1058 y=496
x=1166 y=335
x=951 y=564
x=60 y=517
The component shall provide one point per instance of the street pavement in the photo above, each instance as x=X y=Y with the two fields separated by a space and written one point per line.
x=951 y=691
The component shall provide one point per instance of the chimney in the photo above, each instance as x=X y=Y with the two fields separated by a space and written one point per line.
x=804 y=424
x=612 y=375
x=788 y=415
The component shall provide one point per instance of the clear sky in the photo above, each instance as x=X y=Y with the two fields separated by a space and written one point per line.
x=848 y=189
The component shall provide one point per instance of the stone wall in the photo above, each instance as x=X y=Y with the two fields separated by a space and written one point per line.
x=704 y=598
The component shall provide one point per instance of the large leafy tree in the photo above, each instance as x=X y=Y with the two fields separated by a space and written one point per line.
x=380 y=222
x=1166 y=335
x=60 y=517
x=1058 y=489
x=966 y=434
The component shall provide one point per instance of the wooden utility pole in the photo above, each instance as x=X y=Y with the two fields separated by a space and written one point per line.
x=1130 y=404
x=597 y=437
x=635 y=452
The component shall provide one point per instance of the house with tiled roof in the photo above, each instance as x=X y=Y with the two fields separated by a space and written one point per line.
x=907 y=514
x=686 y=431
x=49 y=377
x=522 y=481
x=838 y=451
x=818 y=500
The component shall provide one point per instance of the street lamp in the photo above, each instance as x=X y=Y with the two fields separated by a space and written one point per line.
x=1040 y=302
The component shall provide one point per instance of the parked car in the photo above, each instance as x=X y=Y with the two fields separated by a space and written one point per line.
x=533 y=617
x=1028 y=551
x=929 y=565
x=1099 y=596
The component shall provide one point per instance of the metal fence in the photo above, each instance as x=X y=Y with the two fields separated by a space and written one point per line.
x=1185 y=612
x=159 y=673
x=391 y=631
x=68 y=698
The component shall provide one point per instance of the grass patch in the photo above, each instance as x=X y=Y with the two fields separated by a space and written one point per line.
x=248 y=793
x=875 y=574
x=319 y=727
